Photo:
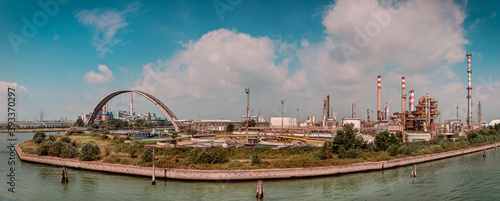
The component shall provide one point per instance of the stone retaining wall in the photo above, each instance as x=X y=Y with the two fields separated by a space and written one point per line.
x=216 y=175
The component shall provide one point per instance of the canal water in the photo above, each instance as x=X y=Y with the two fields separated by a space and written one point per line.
x=469 y=177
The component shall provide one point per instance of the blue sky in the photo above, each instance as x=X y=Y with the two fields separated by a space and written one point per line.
x=198 y=58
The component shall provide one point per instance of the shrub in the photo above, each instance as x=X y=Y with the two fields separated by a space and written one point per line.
x=147 y=156
x=44 y=148
x=256 y=159
x=351 y=153
x=325 y=152
x=52 y=138
x=68 y=151
x=73 y=130
x=103 y=136
x=132 y=152
x=218 y=155
x=393 y=150
x=193 y=154
x=39 y=137
x=65 y=139
x=90 y=152
x=57 y=147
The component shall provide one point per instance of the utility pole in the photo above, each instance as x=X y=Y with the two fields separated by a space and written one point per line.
x=247 y=90
x=297 y=117
x=282 y=116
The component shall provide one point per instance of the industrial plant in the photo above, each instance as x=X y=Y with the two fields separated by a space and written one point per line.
x=418 y=120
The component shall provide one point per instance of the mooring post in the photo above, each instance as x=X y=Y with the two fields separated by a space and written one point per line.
x=414 y=171
x=484 y=153
x=64 y=175
x=260 y=191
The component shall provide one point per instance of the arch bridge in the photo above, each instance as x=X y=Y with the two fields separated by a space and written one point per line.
x=170 y=115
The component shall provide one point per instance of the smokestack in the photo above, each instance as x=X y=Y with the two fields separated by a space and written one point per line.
x=403 y=94
x=107 y=109
x=378 y=97
x=479 y=114
x=327 y=106
x=412 y=101
x=324 y=112
x=469 y=92
x=131 y=105
x=353 y=110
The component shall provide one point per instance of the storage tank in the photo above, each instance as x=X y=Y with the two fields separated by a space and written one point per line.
x=288 y=122
x=355 y=121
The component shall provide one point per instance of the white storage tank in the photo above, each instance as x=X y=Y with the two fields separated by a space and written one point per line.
x=288 y=122
x=355 y=121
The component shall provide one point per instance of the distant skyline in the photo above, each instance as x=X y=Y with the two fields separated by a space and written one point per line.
x=197 y=57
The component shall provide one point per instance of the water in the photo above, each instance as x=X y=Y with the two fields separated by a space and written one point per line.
x=469 y=177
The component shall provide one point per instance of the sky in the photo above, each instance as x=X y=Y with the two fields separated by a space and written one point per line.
x=198 y=57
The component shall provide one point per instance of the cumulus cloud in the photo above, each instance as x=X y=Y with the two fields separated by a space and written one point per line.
x=104 y=75
x=106 y=24
x=4 y=86
x=218 y=67
x=366 y=38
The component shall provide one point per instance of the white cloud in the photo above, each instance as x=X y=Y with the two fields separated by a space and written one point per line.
x=217 y=68
x=421 y=40
x=19 y=90
x=107 y=24
x=104 y=75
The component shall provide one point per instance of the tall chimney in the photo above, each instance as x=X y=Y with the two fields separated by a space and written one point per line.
x=107 y=109
x=131 y=106
x=327 y=106
x=353 y=110
x=469 y=92
x=412 y=101
x=378 y=98
x=403 y=94
x=324 y=112
x=479 y=114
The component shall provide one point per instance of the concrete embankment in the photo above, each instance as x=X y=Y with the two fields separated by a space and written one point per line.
x=215 y=175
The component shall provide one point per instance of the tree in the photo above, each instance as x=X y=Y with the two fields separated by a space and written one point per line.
x=39 y=137
x=252 y=123
x=348 y=140
x=79 y=123
x=147 y=156
x=385 y=139
x=90 y=152
x=230 y=128
x=191 y=132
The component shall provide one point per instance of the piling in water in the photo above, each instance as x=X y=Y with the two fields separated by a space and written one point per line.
x=260 y=191
x=414 y=171
x=64 y=175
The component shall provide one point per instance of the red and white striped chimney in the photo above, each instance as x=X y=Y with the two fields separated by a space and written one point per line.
x=412 y=99
x=378 y=97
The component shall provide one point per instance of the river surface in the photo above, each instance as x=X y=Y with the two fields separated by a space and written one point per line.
x=469 y=177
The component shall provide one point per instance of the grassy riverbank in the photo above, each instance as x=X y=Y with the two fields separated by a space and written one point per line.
x=117 y=151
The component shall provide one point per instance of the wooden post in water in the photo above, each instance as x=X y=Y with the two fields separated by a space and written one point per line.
x=154 y=179
x=414 y=171
x=260 y=190
x=64 y=175
x=484 y=153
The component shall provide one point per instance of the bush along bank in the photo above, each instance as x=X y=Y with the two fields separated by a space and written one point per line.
x=346 y=148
